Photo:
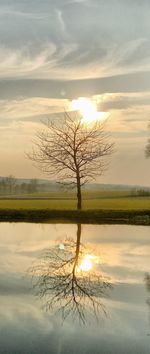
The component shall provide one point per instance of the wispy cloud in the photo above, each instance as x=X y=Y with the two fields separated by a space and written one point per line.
x=21 y=108
x=70 y=61
x=20 y=62
x=122 y=101
x=73 y=39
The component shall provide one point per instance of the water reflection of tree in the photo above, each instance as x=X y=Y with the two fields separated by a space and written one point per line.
x=147 y=282
x=66 y=288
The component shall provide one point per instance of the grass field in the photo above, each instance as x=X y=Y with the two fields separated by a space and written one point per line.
x=96 y=194
x=98 y=207
x=101 y=203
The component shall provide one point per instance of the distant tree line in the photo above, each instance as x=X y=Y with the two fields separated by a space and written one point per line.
x=10 y=186
x=140 y=192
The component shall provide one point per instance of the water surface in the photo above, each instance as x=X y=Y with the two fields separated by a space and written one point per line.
x=25 y=326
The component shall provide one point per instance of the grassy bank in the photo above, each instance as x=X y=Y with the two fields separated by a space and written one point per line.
x=138 y=217
x=102 y=207
x=103 y=203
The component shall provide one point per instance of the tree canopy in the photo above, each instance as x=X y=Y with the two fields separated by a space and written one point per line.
x=147 y=149
x=72 y=151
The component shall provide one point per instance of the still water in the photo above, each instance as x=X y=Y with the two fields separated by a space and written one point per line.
x=119 y=255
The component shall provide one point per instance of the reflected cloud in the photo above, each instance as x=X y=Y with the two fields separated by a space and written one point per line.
x=69 y=279
x=25 y=328
x=147 y=283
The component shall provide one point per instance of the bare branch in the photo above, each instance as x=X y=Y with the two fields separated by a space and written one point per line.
x=72 y=151
x=64 y=286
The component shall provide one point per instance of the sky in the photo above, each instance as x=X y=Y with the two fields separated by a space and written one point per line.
x=52 y=52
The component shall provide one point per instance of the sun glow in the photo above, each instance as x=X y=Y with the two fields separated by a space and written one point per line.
x=88 y=110
x=86 y=263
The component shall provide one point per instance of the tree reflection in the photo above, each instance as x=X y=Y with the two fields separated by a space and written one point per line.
x=68 y=279
x=147 y=282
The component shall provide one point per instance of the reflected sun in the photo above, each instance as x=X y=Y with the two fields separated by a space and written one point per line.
x=88 y=110
x=86 y=263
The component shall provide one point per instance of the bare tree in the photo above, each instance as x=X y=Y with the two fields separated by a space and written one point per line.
x=58 y=279
x=72 y=151
x=32 y=185
x=147 y=283
x=147 y=149
x=10 y=182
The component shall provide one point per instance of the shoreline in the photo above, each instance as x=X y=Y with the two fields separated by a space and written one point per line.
x=131 y=217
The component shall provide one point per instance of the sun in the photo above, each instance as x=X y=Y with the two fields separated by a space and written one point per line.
x=88 y=110
x=86 y=263
x=86 y=107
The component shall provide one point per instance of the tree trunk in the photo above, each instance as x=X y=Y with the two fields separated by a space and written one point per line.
x=77 y=248
x=79 y=196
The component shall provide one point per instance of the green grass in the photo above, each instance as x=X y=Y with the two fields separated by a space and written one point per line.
x=118 y=204
x=88 y=194
x=103 y=203
x=98 y=207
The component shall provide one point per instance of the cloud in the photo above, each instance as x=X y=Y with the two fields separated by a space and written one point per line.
x=26 y=108
x=73 y=39
x=132 y=52
x=66 y=61
x=70 y=89
x=32 y=331
x=123 y=101
x=27 y=328
x=20 y=62
x=14 y=284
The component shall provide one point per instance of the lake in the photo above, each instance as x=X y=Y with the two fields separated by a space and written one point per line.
x=119 y=255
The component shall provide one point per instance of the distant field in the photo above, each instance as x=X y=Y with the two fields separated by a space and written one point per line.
x=96 y=194
x=102 y=203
